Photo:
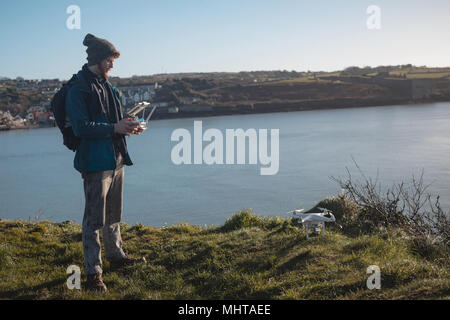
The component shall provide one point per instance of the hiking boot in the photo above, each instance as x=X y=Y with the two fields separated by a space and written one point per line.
x=95 y=283
x=125 y=262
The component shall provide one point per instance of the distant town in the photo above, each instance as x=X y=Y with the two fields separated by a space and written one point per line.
x=26 y=103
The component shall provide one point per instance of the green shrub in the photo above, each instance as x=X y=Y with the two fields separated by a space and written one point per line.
x=343 y=208
x=348 y=214
x=242 y=220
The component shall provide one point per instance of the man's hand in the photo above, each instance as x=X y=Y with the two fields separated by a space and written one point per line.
x=125 y=126
x=139 y=130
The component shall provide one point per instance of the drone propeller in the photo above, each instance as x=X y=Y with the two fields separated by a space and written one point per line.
x=295 y=211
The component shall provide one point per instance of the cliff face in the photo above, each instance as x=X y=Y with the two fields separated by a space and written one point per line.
x=203 y=94
x=297 y=91
x=299 y=96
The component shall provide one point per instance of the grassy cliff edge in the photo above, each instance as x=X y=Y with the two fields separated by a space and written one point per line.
x=249 y=257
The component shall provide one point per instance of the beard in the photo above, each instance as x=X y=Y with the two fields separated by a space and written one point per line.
x=103 y=70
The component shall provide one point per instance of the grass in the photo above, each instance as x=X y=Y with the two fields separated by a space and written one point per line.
x=422 y=73
x=248 y=257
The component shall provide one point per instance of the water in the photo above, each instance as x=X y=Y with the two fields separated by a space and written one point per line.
x=37 y=174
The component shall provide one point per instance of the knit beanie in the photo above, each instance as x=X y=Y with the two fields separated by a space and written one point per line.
x=98 y=49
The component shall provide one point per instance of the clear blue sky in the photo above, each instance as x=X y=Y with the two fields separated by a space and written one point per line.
x=222 y=35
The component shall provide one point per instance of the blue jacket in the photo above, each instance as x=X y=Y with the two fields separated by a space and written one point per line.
x=96 y=151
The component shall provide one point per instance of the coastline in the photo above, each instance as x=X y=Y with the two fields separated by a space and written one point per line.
x=259 y=108
x=309 y=105
x=27 y=127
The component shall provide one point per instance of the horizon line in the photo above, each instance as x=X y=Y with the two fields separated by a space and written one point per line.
x=242 y=71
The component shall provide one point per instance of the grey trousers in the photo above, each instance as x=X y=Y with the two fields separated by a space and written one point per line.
x=103 y=192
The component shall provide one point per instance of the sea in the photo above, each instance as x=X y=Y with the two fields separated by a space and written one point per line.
x=388 y=144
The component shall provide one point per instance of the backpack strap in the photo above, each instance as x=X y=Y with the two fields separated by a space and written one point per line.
x=81 y=81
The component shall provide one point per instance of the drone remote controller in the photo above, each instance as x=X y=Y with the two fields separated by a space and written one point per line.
x=142 y=123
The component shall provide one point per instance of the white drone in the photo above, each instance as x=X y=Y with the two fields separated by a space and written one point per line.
x=315 y=220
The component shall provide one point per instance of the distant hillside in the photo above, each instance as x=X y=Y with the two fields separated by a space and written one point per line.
x=260 y=91
x=18 y=101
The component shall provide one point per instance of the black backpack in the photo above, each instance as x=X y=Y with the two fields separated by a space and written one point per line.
x=58 y=106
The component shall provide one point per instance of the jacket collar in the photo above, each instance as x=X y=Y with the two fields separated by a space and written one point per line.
x=93 y=76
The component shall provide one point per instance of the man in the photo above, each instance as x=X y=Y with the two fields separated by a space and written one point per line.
x=94 y=111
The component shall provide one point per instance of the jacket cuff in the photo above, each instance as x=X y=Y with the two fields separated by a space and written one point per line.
x=112 y=129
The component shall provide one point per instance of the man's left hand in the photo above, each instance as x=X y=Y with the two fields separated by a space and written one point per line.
x=139 y=130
